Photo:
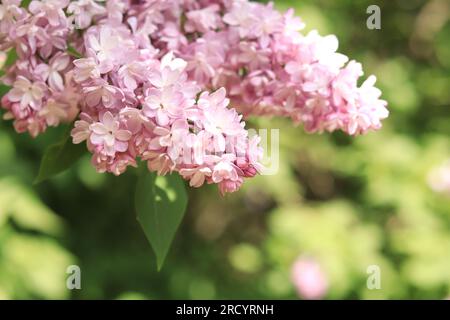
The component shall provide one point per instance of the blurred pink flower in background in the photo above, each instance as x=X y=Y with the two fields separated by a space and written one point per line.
x=439 y=179
x=309 y=279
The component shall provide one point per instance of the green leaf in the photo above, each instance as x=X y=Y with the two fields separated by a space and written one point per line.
x=10 y=59
x=59 y=157
x=160 y=204
x=73 y=52
x=4 y=90
x=25 y=3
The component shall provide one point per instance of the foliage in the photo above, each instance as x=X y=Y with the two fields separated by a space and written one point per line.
x=160 y=204
x=59 y=157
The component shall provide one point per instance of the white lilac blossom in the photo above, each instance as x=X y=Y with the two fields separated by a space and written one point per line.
x=154 y=80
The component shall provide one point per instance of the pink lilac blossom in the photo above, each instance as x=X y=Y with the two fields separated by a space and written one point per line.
x=136 y=104
x=155 y=80
x=309 y=279
x=42 y=93
x=83 y=12
x=269 y=68
x=151 y=112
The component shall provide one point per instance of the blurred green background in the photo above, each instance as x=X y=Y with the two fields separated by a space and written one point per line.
x=345 y=202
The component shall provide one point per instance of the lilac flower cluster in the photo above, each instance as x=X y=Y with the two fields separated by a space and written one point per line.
x=42 y=93
x=152 y=76
x=269 y=68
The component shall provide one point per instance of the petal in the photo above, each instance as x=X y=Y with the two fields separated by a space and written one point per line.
x=186 y=172
x=160 y=131
x=93 y=98
x=219 y=143
x=155 y=79
x=110 y=149
x=197 y=180
x=43 y=71
x=130 y=82
x=25 y=101
x=109 y=121
x=53 y=17
x=173 y=152
x=98 y=128
x=55 y=81
x=123 y=135
x=15 y=95
x=61 y=63
x=109 y=140
x=37 y=92
x=79 y=137
x=93 y=42
x=121 y=146
x=178 y=64
x=154 y=144
x=22 y=83
x=97 y=139
x=165 y=61
x=165 y=141
x=219 y=95
x=162 y=117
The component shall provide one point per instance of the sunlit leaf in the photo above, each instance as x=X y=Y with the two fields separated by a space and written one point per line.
x=18 y=202
x=160 y=204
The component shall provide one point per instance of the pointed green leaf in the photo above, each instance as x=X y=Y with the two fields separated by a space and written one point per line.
x=10 y=59
x=25 y=3
x=59 y=157
x=160 y=204
x=4 y=90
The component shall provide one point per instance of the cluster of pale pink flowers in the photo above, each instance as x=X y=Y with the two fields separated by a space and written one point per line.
x=269 y=68
x=42 y=92
x=138 y=106
x=149 y=79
